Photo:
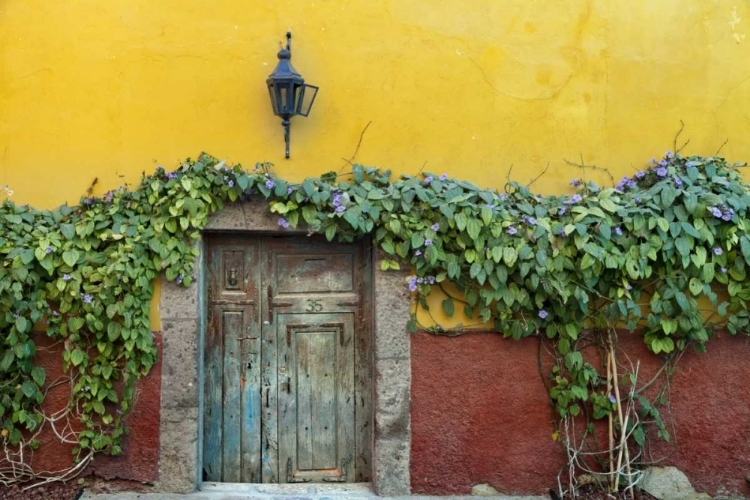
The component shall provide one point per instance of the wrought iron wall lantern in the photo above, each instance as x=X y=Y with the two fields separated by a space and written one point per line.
x=290 y=95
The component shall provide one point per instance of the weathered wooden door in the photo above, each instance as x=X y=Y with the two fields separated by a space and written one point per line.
x=287 y=361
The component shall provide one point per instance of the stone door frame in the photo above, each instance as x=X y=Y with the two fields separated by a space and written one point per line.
x=183 y=317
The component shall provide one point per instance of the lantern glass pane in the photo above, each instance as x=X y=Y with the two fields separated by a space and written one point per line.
x=299 y=92
x=307 y=98
x=284 y=100
x=274 y=101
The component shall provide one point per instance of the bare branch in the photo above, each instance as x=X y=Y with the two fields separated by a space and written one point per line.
x=583 y=167
x=674 y=143
x=359 y=143
x=721 y=147
x=538 y=176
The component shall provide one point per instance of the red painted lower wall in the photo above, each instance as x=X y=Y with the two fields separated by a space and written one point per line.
x=480 y=414
x=140 y=458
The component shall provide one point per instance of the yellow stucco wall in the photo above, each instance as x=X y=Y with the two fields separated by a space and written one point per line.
x=106 y=89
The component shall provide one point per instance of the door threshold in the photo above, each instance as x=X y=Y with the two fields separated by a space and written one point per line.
x=290 y=488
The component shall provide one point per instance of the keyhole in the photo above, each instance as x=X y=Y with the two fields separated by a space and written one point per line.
x=249 y=365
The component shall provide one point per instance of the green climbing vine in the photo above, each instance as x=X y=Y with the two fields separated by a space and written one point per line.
x=663 y=254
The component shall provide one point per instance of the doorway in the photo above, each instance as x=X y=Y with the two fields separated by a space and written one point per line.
x=287 y=360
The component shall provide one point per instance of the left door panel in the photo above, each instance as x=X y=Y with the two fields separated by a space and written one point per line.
x=232 y=418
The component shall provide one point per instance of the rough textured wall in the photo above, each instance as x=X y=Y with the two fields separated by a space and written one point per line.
x=480 y=415
x=140 y=458
x=105 y=89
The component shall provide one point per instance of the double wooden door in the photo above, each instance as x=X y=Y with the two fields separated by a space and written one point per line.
x=287 y=395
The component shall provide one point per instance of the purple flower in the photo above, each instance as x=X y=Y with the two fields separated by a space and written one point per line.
x=417 y=252
x=661 y=172
x=269 y=184
x=530 y=221
x=340 y=208
x=724 y=270
x=230 y=183
x=669 y=154
x=640 y=174
x=171 y=175
x=576 y=182
x=87 y=388
x=55 y=313
x=412 y=284
x=336 y=200
x=119 y=412
x=612 y=399
x=628 y=288
x=678 y=182
x=562 y=211
x=289 y=190
x=512 y=230
x=87 y=298
x=631 y=184
x=637 y=200
x=727 y=216
x=444 y=177
x=543 y=314
x=618 y=231
x=427 y=242
x=435 y=227
x=428 y=179
x=715 y=211
x=431 y=280
x=66 y=277
x=48 y=250
x=718 y=251
x=15 y=315
x=576 y=198
x=108 y=197
x=420 y=281
x=623 y=183
x=663 y=163
x=179 y=280
x=283 y=222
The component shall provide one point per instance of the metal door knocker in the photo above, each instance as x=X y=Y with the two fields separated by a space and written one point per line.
x=233 y=276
